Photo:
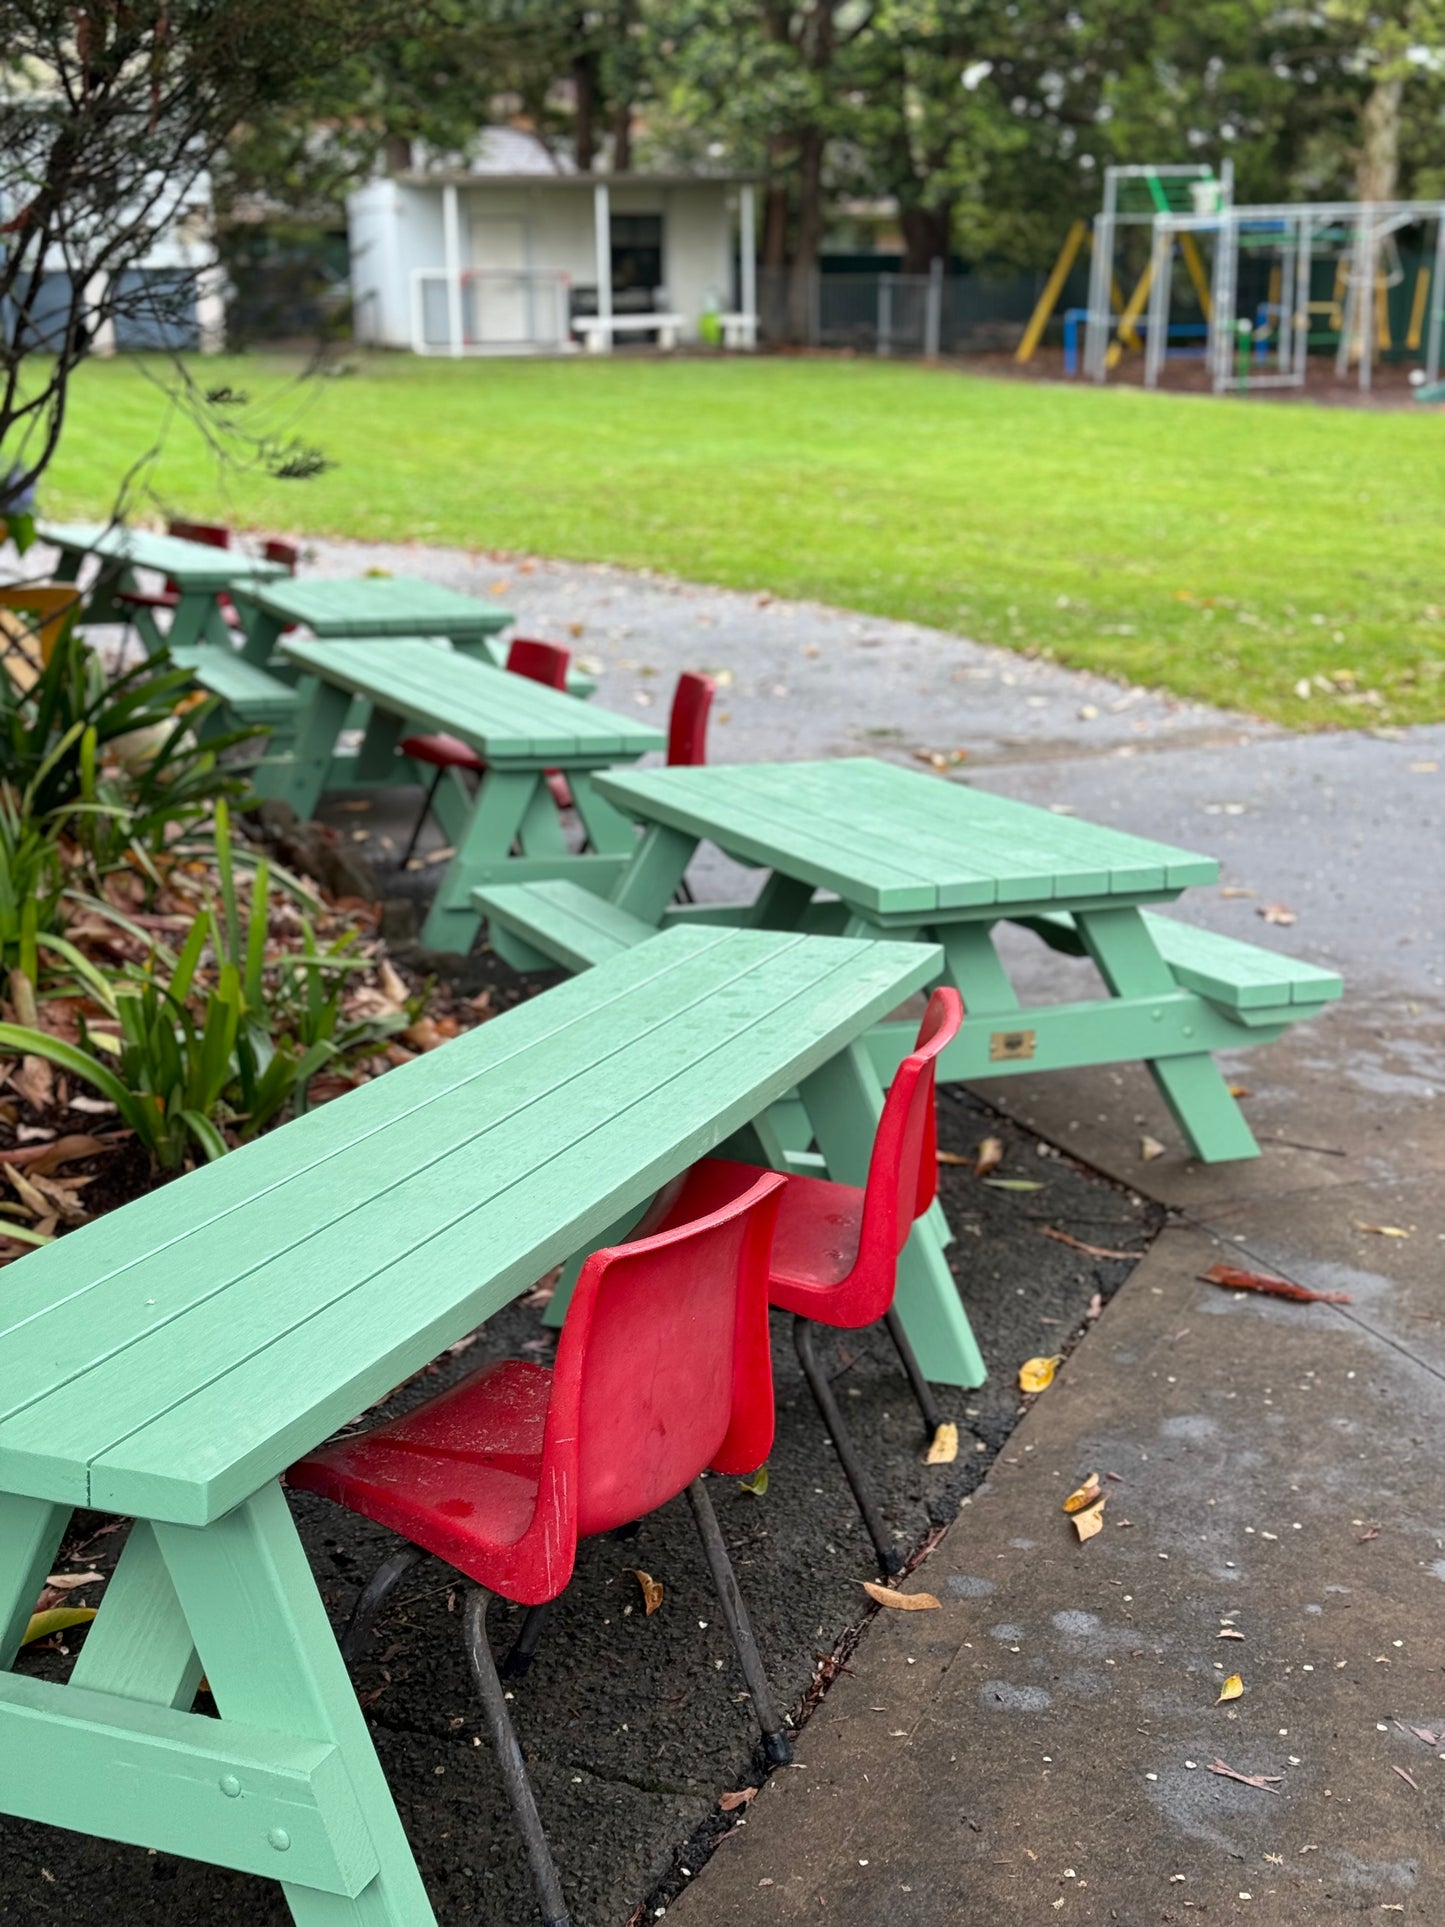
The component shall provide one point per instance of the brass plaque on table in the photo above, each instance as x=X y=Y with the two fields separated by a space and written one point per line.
x=1008 y=1046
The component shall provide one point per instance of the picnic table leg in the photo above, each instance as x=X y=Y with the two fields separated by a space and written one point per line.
x=1193 y=1087
x=30 y=1535
x=262 y=630
x=608 y=831
x=272 y=1661
x=196 y=619
x=299 y=776
x=845 y=1101
x=496 y=817
x=649 y=883
x=140 y=1646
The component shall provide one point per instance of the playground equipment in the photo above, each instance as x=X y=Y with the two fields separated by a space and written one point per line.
x=1359 y=239
x=1133 y=197
x=1282 y=279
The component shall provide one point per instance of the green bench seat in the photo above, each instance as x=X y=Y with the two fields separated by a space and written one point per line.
x=1253 y=984
x=534 y=925
x=252 y=695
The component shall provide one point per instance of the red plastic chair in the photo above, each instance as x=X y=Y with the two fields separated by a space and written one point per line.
x=662 y=1370
x=286 y=553
x=543 y=662
x=835 y=1253
x=215 y=536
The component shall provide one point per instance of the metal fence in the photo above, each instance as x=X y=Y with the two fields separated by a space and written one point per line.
x=896 y=314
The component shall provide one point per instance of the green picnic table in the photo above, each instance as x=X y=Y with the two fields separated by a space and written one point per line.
x=170 y=1361
x=910 y=855
x=519 y=728
x=200 y=573
x=368 y=606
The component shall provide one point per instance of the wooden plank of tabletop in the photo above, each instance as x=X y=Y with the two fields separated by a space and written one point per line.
x=223 y=1325
x=192 y=563
x=378 y=606
x=894 y=840
x=504 y=717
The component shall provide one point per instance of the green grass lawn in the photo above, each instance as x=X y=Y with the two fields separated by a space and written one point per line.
x=1227 y=550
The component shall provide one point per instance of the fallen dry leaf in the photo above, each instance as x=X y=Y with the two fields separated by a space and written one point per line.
x=1150 y=1148
x=944 y=1449
x=651 y=1591
x=1037 y=1374
x=1277 y=913
x=391 y=985
x=1266 y=1782
x=1240 y=1090
x=990 y=1157
x=1406 y=1776
x=42 y=1159
x=1013 y=1184
x=57 y=1619
x=904 y=1602
x=1235 y=1280
x=955 y=1157
x=1088 y=1524
x=1380 y=1230
x=68 y=1581
x=1229 y=1632
x=730 y=1802
x=1089 y=1251
x=1232 y=1689
x=1083 y=1495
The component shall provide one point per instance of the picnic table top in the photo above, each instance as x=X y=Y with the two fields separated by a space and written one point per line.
x=376 y=605
x=171 y=1359
x=505 y=718
x=894 y=841
x=192 y=565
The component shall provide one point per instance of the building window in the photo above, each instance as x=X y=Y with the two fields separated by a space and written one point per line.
x=636 y=262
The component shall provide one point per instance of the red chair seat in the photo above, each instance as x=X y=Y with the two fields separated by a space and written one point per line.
x=442 y=752
x=815 y=1242
x=148 y=598
x=460 y=1475
x=561 y=789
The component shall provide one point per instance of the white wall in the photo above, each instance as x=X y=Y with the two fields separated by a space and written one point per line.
x=392 y=229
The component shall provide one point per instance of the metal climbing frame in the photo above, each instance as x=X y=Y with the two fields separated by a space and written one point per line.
x=1134 y=197
x=1354 y=232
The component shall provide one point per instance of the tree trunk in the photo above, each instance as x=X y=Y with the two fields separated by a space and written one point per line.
x=1378 y=173
x=398 y=153
x=584 y=111
x=622 y=137
x=810 y=233
x=927 y=236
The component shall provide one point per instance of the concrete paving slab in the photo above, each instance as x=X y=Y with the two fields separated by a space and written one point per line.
x=1040 y=1748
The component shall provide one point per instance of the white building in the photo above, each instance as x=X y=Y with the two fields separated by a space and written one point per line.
x=521 y=253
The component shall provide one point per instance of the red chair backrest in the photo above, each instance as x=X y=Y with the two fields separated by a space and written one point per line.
x=687 y=725
x=663 y=1367
x=903 y=1170
x=211 y=533
x=286 y=553
x=544 y=662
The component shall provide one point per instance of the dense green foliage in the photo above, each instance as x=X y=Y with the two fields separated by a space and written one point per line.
x=1227 y=550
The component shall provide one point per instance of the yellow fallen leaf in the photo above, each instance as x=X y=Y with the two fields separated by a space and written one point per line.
x=651 y=1591
x=904 y=1602
x=944 y=1449
x=756 y=1482
x=1381 y=1230
x=1232 y=1689
x=59 y=1619
x=1083 y=1495
x=1150 y=1148
x=1086 y=1524
x=1037 y=1374
x=990 y=1156
x=1277 y=913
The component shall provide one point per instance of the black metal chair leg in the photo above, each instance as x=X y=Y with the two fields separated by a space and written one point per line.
x=777 y=1747
x=683 y=893
x=373 y=1597
x=922 y=1390
x=524 y=1648
x=805 y=1344
x=406 y=854
x=509 y=1758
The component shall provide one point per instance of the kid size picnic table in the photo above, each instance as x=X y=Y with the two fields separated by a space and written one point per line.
x=519 y=728
x=911 y=855
x=200 y=573
x=171 y=1360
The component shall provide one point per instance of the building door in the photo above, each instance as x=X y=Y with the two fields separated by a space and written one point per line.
x=498 y=301
x=637 y=278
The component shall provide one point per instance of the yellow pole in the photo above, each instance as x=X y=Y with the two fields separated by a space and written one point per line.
x=1127 y=332
x=1189 y=248
x=1417 y=309
x=1053 y=288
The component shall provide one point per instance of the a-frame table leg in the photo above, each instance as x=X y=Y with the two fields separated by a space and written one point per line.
x=271 y=1661
x=1193 y=1087
x=30 y=1535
